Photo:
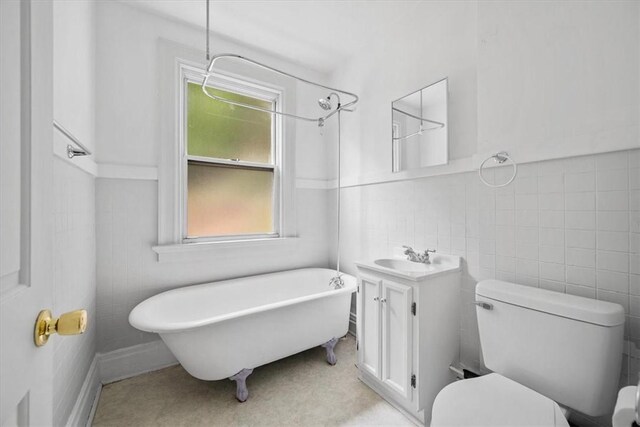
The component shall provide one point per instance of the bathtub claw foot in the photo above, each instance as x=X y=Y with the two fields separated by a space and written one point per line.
x=242 y=393
x=329 y=346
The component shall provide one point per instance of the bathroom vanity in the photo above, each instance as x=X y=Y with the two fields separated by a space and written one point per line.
x=408 y=329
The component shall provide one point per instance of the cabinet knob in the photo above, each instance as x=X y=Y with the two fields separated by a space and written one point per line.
x=376 y=299
x=383 y=300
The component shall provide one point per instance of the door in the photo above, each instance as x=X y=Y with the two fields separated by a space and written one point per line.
x=369 y=351
x=396 y=337
x=26 y=371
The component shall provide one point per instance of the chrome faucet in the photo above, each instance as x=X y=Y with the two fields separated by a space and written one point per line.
x=414 y=257
x=336 y=282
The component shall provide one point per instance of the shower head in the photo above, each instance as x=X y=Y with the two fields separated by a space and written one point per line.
x=324 y=103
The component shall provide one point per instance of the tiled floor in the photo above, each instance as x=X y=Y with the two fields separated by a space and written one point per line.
x=302 y=390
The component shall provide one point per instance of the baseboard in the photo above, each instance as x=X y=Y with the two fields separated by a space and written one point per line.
x=94 y=407
x=135 y=360
x=114 y=366
x=84 y=408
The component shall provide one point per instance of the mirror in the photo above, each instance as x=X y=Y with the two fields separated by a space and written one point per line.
x=420 y=128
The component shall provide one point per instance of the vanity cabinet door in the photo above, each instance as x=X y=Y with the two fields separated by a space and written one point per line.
x=396 y=337
x=369 y=325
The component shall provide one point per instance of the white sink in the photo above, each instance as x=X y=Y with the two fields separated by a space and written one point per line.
x=406 y=269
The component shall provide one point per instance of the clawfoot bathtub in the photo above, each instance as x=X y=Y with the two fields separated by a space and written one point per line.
x=226 y=329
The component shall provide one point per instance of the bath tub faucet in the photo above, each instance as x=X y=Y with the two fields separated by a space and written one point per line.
x=336 y=282
x=414 y=257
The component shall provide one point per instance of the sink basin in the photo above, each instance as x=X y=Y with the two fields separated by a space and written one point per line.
x=401 y=267
x=404 y=265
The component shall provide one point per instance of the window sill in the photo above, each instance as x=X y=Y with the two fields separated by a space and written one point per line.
x=184 y=252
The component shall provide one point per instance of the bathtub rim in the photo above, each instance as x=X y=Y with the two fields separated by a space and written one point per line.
x=177 y=327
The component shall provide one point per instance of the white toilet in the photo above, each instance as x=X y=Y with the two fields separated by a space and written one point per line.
x=545 y=349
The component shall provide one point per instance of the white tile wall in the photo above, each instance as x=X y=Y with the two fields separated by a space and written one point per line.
x=570 y=225
x=74 y=280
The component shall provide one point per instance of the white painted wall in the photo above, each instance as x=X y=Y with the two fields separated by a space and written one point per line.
x=73 y=68
x=439 y=40
x=74 y=252
x=557 y=79
x=539 y=79
x=130 y=45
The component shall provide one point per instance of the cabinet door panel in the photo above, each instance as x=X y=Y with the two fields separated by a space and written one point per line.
x=396 y=337
x=369 y=325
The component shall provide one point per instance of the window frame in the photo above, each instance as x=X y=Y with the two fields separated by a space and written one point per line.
x=247 y=87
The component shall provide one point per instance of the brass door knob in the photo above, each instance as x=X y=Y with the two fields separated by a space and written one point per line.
x=71 y=323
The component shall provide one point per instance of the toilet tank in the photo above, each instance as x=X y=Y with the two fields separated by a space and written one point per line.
x=565 y=347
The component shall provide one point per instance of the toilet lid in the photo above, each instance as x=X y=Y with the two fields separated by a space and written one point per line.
x=493 y=400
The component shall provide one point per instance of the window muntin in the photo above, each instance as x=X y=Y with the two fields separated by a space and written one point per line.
x=231 y=168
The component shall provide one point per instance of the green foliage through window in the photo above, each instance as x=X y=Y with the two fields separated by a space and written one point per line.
x=226 y=131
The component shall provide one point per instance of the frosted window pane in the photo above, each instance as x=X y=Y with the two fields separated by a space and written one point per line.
x=225 y=131
x=228 y=200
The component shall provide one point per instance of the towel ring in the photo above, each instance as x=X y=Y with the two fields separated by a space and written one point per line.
x=500 y=158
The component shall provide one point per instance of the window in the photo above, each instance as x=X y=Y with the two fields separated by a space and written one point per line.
x=231 y=162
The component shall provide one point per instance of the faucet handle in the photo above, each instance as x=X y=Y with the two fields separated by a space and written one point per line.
x=433 y=251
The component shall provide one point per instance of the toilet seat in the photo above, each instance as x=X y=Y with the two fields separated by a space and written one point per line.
x=494 y=400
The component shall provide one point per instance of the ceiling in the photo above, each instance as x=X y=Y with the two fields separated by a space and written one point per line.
x=318 y=34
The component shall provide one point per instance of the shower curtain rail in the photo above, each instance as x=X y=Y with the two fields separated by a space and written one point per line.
x=320 y=120
x=439 y=125
x=71 y=151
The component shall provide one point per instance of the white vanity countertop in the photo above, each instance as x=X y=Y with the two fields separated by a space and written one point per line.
x=415 y=271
